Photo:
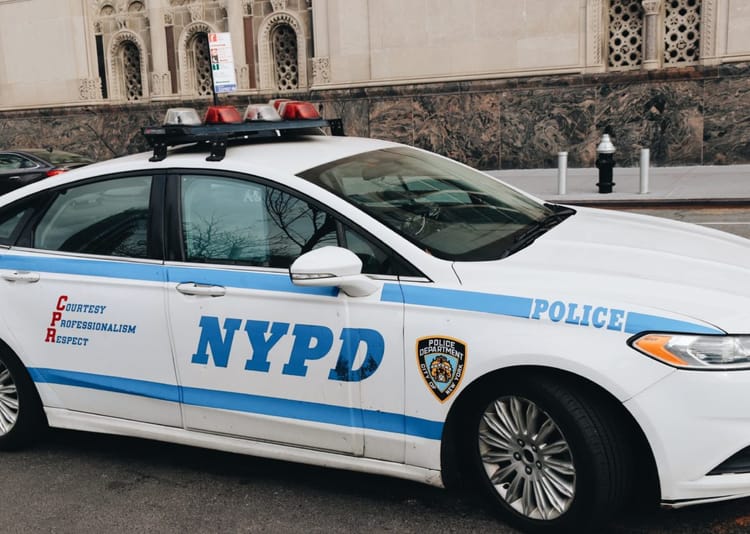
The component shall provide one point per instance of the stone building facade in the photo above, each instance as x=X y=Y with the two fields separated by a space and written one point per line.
x=494 y=83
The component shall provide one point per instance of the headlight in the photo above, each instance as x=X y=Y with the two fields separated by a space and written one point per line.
x=696 y=352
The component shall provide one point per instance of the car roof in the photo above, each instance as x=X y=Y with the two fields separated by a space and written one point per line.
x=283 y=155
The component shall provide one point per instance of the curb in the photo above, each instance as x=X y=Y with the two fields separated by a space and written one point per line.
x=657 y=202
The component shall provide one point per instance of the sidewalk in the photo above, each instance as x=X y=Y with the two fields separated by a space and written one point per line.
x=709 y=184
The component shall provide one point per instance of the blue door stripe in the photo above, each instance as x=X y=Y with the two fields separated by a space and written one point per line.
x=452 y=299
x=455 y=299
x=241 y=402
x=102 y=268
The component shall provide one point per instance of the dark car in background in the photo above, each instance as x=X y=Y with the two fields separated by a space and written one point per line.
x=28 y=165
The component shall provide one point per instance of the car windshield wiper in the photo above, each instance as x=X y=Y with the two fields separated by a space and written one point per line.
x=528 y=235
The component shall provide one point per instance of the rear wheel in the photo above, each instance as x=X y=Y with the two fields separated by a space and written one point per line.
x=21 y=414
x=548 y=458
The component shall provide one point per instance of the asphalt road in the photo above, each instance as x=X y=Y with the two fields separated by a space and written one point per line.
x=85 y=483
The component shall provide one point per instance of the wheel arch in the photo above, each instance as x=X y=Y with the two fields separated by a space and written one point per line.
x=452 y=458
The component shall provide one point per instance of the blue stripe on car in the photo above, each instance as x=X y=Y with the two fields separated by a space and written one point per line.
x=453 y=299
x=241 y=402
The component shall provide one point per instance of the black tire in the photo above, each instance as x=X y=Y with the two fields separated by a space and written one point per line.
x=21 y=415
x=568 y=478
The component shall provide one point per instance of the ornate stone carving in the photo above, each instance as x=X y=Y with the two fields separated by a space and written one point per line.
x=247 y=8
x=708 y=45
x=651 y=7
x=187 y=71
x=118 y=84
x=625 y=34
x=97 y=27
x=279 y=5
x=196 y=12
x=682 y=31
x=321 y=67
x=595 y=19
x=243 y=77
x=168 y=18
x=90 y=88
x=161 y=83
x=266 y=64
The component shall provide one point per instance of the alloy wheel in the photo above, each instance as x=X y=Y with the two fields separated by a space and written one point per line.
x=527 y=458
x=8 y=400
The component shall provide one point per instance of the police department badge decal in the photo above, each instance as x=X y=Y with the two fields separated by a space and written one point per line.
x=441 y=361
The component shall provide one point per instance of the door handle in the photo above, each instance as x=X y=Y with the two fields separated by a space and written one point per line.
x=20 y=276
x=207 y=290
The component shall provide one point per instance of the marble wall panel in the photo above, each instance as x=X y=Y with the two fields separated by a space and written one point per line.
x=392 y=120
x=726 y=133
x=665 y=117
x=354 y=113
x=537 y=124
x=685 y=116
x=463 y=127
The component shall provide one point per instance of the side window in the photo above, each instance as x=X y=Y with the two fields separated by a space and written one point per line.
x=375 y=260
x=9 y=162
x=227 y=220
x=109 y=217
x=11 y=217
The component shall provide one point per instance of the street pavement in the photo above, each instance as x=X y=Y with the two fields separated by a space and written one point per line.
x=696 y=185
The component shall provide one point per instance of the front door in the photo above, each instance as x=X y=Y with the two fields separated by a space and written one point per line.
x=261 y=358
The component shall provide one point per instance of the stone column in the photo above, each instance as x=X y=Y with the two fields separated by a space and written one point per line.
x=321 y=62
x=90 y=87
x=652 y=47
x=236 y=27
x=161 y=81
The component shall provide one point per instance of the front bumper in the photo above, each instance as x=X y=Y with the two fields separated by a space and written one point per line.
x=695 y=421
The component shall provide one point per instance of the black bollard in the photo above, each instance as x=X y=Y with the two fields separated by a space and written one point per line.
x=605 y=162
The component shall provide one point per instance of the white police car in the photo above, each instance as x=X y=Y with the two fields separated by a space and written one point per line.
x=364 y=305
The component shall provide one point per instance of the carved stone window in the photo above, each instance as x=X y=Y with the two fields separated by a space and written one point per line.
x=130 y=58
x=625 y=33
x=284 y=43
x=682 y=31
x=199 y=63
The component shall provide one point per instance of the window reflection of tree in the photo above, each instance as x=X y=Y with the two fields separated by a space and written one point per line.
x=301 y=227
x=288 y=228
x=211 y=239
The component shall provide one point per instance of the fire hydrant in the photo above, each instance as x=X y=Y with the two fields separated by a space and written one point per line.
x=605 y=162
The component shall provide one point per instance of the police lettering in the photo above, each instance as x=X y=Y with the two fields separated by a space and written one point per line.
x=311 y=344
x=579 y=314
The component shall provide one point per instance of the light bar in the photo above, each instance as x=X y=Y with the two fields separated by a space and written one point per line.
x=224 y=124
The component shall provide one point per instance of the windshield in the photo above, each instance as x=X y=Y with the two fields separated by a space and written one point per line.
x=449 y=210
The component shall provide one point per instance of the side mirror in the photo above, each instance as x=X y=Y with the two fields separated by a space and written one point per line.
x=332 y=267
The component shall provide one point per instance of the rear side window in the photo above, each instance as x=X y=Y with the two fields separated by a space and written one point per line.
x=11 y=217
x=107 y=218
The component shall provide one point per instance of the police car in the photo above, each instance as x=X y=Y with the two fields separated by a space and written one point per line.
x=252 y=287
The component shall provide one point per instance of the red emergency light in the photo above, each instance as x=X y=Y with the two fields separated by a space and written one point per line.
x=222 y=115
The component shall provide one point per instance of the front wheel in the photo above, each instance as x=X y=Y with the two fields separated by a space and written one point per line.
x=548 y=458
x=21 y=414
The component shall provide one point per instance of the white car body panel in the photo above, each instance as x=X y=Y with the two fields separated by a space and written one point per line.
x=569 y=301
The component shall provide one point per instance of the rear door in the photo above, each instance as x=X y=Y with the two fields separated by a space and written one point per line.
x=85 y=283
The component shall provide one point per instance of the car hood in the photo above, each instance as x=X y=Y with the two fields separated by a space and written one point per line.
x=646 y=266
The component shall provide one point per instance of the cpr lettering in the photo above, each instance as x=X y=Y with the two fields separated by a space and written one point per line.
x=577 y=314
x=311 y=343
